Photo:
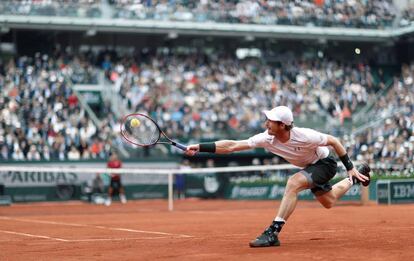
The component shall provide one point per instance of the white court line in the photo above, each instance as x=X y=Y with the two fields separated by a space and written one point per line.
x=78 y=240
x=32 y=235
x=100 y=227
x=143 y=231
x=43 y=222
x=115 y=239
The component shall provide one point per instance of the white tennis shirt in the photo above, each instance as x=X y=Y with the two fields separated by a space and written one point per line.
x=305 y=146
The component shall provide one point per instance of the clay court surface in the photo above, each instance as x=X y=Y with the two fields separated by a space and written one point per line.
x=203 y=230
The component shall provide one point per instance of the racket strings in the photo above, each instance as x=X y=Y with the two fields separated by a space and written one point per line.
x=145 y=132
x=151 y=136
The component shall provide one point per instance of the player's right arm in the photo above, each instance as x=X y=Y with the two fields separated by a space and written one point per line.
x=343 y=156
x=219 y=147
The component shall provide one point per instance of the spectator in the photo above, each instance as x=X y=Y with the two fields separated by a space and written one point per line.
x=46 y=153
x=18 y=154
x=33 y=154
x=73 y=154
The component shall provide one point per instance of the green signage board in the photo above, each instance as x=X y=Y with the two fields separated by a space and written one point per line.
x=92 y=97
x=210 y=185
x=276 y=191
x=383 y=191
x=395 y=191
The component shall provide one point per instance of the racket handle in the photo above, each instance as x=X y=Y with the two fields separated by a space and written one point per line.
x=179 y=145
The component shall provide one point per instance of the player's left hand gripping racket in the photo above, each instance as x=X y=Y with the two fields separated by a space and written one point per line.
x=141 y=130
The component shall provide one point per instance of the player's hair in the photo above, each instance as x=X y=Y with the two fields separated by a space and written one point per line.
x=289 y=127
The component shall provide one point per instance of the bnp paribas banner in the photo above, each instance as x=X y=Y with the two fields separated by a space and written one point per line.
x=41 y=186
x=41 y=179
x=275 y=191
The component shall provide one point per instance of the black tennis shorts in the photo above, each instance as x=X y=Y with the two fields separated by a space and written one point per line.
x=319 y=174
x=116 y=185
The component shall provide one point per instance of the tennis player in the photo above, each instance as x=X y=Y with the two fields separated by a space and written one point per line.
x=302 y=147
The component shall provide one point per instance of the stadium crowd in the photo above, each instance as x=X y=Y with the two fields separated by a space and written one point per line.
x=65 y=8
x=201 y=95
x=355 y=13
x=193 y=96
x=40 y=115
x=390 y=143
x=367 y=14
x=407 y=15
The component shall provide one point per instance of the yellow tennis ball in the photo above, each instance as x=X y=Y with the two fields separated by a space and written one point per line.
x=135 y=123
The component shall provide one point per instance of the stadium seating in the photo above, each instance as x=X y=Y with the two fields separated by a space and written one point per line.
x=367 y=14
x=359 y=14
x=205 y=95
x=77 y=8
x=49 y=126
x=390 y=143
x=41 y=116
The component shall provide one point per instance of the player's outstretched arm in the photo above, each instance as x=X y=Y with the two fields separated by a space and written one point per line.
x=343 y=156
x=218 y=147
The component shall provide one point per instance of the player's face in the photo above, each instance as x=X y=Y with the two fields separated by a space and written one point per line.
x=274 y=127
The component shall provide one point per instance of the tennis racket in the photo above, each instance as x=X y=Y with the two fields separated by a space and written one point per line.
x=139 y=129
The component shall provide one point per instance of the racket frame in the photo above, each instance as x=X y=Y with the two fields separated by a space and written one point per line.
x=169 y=141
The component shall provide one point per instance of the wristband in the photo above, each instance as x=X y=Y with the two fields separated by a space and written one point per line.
x=208 y=147
x=347 y=162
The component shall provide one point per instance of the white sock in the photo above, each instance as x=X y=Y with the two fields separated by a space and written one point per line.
x=279 y=219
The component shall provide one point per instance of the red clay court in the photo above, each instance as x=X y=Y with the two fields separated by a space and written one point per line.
x=203 y=230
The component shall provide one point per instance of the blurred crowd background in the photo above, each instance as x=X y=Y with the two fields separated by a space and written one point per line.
x=343 y=13
x=208 y=93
